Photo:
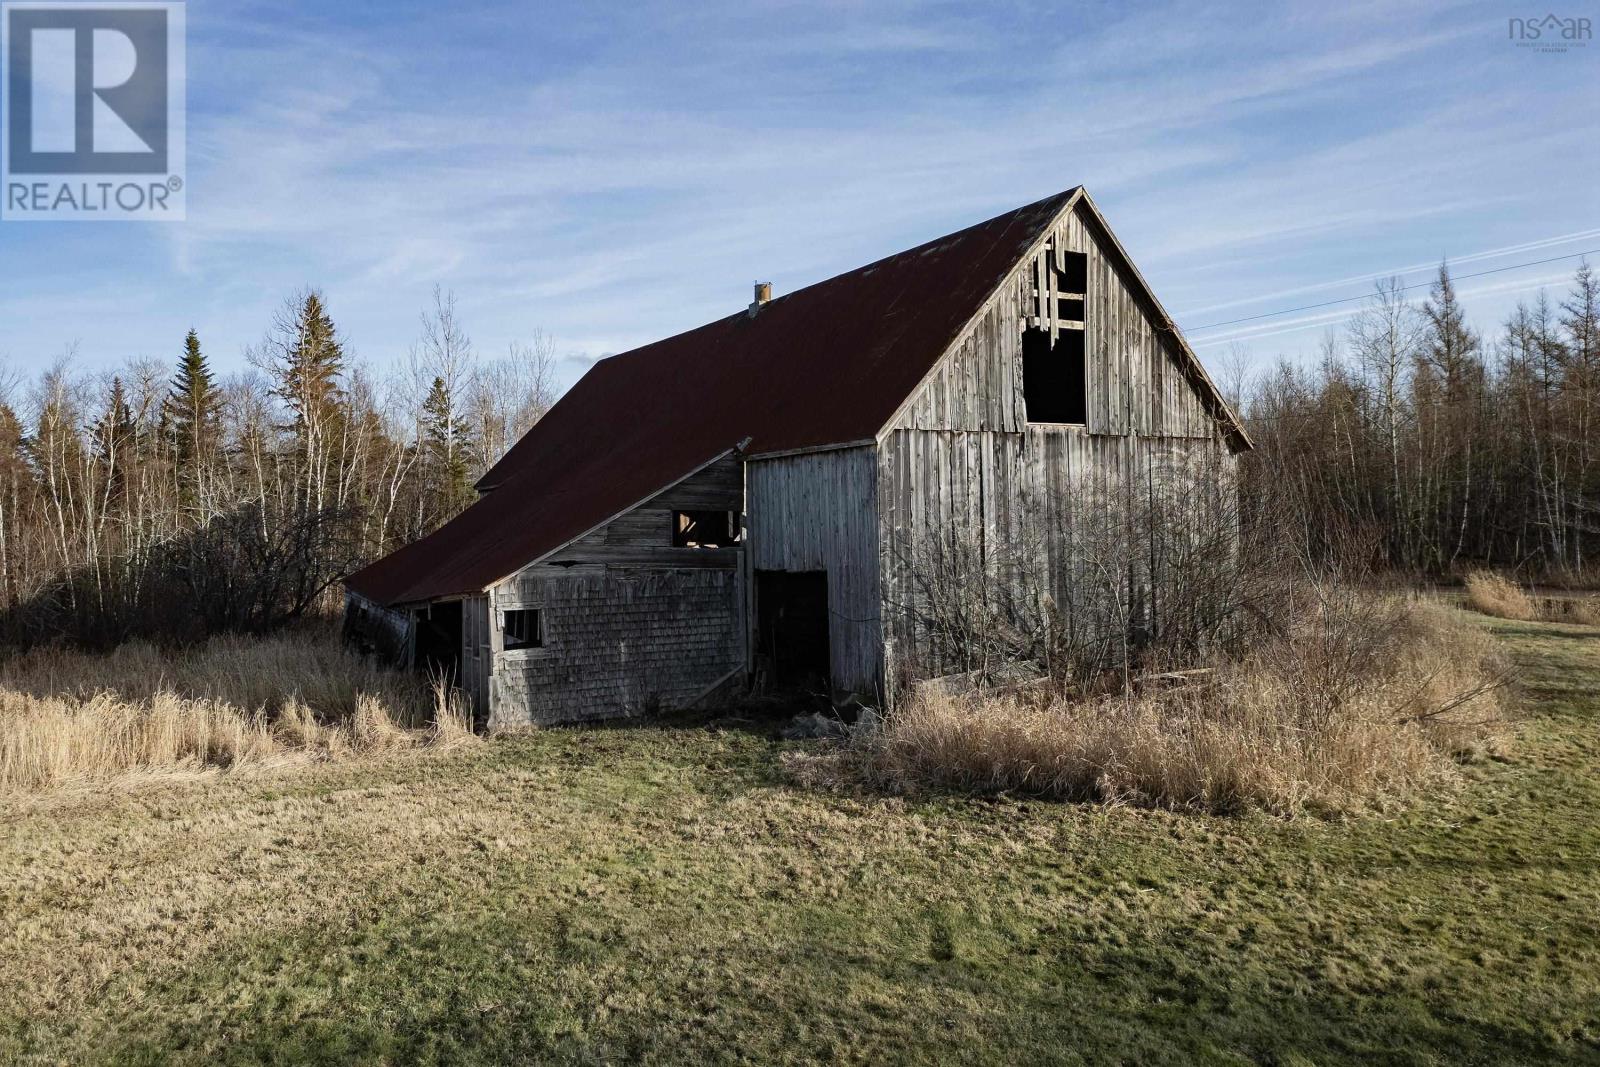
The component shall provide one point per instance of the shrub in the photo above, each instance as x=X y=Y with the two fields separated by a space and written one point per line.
x=1364 y=698
x=233 y=702
x=1494 y=594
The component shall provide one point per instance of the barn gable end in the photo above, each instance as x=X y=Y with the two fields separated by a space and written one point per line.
x=1141 y=377
x=963 y=467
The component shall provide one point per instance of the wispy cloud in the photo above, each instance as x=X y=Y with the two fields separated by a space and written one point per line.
x=1322 y=320
x=612 y=177
x=1543 y=245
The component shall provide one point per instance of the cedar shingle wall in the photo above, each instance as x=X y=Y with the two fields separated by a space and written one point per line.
x=631 y=624
x=617 y=642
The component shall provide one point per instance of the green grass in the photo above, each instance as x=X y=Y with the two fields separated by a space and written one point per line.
x=662 y=894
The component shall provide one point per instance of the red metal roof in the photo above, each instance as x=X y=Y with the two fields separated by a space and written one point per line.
x=827 y=364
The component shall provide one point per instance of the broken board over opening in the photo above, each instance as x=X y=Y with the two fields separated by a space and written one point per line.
x=792 y=625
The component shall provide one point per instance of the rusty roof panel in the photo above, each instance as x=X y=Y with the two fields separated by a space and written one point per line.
x=827 y=364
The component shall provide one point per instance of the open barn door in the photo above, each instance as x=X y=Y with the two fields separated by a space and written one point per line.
x=438 y=636
x=792 y=626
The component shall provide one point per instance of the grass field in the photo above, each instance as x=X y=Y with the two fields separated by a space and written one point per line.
x=663 y=894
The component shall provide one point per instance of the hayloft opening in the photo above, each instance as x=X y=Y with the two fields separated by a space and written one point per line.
x=524 y=629
x=1069 y=309
x=703 y=529
x=1074 y=273
x=1053 y=385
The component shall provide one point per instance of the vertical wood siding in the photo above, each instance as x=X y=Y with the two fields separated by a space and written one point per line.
x=963 y=456
x=477 y=655
x=1136 y=377
x=817 y=512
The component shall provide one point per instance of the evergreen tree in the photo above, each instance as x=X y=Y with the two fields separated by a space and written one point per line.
x=1451 y=348
x=13 y=445
x=446 y=451
x=114 y=439
x=1449 y=418
x=192 y=413
x=307 y=370
x=191 y=419
x=309 y=378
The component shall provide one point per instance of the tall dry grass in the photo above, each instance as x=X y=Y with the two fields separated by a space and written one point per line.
x=1580 y=611
x=1494 y=594
x=232 y=703
x=1359 y=701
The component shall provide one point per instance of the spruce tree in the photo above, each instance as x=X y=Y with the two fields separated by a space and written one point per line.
x=309 y=377
x=446 y=449
x=114 y=439
x=1450 y=347
x=192 y=412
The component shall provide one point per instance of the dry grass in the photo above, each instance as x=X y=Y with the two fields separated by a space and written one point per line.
x=1579 y=610
x=659 y=894
x=1494 y=594
x=232 y=703
x=1365 y=700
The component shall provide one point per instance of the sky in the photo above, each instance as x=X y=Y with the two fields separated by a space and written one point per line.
x=606 y=175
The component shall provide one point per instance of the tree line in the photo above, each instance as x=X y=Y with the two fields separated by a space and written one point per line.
x=165 y=500
x=1447 y=449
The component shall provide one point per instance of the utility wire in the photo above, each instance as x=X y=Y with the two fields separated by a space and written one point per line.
x=1403 y=288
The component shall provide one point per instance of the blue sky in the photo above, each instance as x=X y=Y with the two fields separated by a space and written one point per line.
x=610 y=174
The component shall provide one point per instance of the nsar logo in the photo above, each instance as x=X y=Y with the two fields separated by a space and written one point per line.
x=1552 y=33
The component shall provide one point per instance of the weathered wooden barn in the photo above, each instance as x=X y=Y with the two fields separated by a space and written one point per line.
x=734 y=498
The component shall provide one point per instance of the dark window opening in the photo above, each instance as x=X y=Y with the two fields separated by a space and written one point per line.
x=1074 y=274
x=1053 y=387
x=1069 y=310
x=524 y=629
x=703 y=529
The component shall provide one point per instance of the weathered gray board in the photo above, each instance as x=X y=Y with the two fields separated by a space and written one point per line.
x=1137 y=381
x=817 y=511
x=631 y=623
x=962 y=456
x=384 y=629
x=477 y=654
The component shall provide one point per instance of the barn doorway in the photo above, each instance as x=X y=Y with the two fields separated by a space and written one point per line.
x=439 y=641
x=792 y=626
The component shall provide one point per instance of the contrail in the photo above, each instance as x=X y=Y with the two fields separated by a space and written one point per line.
x=1471 y=257
x=1329 y=318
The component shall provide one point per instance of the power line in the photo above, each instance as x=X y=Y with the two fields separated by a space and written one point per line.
x=1402 y=289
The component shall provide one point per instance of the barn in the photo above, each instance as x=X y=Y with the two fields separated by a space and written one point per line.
x=739 y=502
